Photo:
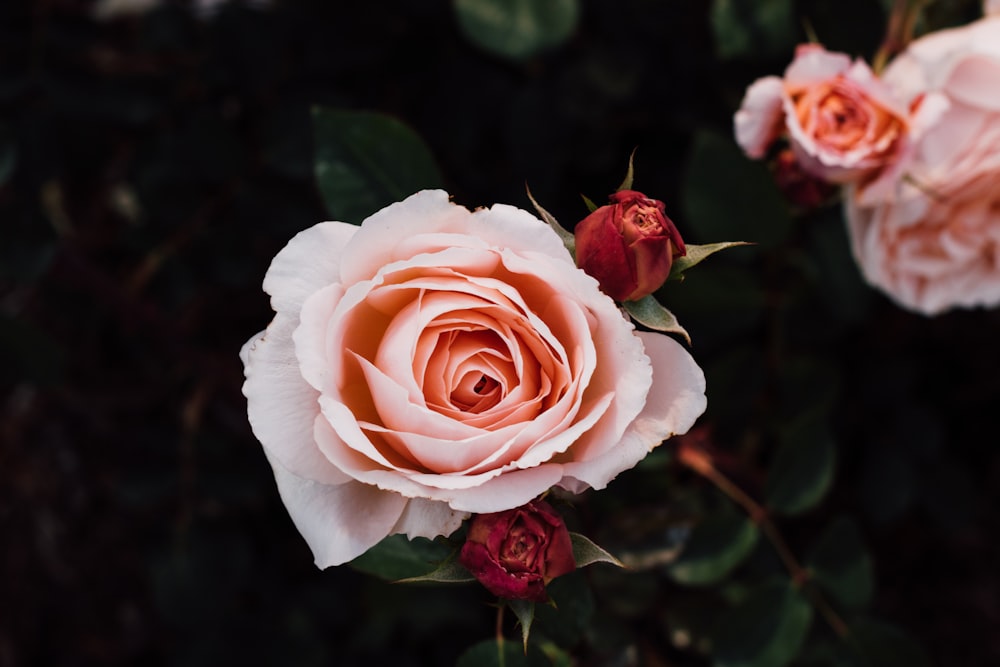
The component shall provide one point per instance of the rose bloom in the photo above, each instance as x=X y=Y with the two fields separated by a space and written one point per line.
x=515 y=553
x=436 y=362
x=844 y=124
x=629 y=245
x=935 y=244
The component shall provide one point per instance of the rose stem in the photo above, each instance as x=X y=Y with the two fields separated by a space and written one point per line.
x=700 y=461
x=898 y=33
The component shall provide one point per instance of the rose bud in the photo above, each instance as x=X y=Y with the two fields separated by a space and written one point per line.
x=800 y=187
x=628 y=245
x=515 y=553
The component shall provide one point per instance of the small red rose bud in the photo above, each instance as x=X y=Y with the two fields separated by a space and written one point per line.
x=515 y=553
x=628 y=245
x=799 y=187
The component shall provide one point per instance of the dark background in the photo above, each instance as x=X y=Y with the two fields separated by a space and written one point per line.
x=160 y=161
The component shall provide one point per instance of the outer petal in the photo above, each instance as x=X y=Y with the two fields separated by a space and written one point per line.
x=310 y=261
x=674 y=403
x=428 y=518
x=758 y=121
x=339 y=522
x=281 y=406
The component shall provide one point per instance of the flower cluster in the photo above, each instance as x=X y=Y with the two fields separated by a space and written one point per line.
x=916 y=149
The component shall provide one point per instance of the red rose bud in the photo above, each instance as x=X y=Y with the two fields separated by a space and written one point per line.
x=799 y=187
x=628 y=245
x=515 y=553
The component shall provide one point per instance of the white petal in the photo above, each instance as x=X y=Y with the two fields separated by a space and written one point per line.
x=428 y=518
x=310 y=261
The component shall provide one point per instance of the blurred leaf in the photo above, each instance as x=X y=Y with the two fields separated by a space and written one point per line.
x=802 y=470
x=649 y=312
x=766 y=629
x=586 y=552
x=396 y=557
x=727 y=196
x=841 y=565
x=716 y=546
x=565 y=622
x=491 y=653
x=366 y=161
x=517 y=29
x=8 y=153
x=881 y=644
x=753 y=28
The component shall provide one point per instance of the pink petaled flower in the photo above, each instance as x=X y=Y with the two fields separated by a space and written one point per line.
x=515 y=553
x=843 y=123
x=628 y=245
x=935 y=243
x=436 y=362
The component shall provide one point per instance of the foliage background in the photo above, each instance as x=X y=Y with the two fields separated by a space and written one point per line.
x=151 y=166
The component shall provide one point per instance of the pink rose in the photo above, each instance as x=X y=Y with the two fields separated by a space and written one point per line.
x=515 y=553
x=629 y=245
x=436 y=362
x=844 y=124
x=934 y=243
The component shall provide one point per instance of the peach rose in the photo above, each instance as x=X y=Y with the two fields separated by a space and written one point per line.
x=436 y=362
x=934 y=244
x=844 y=124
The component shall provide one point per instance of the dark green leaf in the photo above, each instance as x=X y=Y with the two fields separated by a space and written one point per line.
x=649 y=312
x=840 y=564
x=504 y=653
x=802 y=470
x=366 y=161
x=766 y=629
x=727 y=196
x=717 y=545
x=450 y=571
x=565 y=621
x=517 y=29
x=396 y=557
x=586 y=552
x=753 y=28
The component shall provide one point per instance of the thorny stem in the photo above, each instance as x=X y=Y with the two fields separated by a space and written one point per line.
x=700 y=461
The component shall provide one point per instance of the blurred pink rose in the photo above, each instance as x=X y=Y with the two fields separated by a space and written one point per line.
x=934 y=244
x=844 y=124
x=515 y=553
x=436 y=362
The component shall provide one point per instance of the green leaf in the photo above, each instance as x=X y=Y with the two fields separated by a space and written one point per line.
x=766 y=629
x=696 y=254
x=517 y=29
x=450 y=571
x=881 y=644
x=587 y=553
x=524 y=610
x=802 y=470
x=501 y=653
x=649 y=312
x=841 y=565
x=566 y=236
x=366 y=161
x=629 y=174
x=396 y=557
x=725 y=195
x=716 y=546
x=568 y=617
x=753 y=28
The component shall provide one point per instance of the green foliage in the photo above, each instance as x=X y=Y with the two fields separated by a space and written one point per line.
x=718 y=544
x=766 y=629
x=366 y=161
x=585 y=552
x=881 y=644
x=753 y=28
x=517 y=29
x=841 y=565
x=502 y=653
x=649 y=312
x=396 y=558
x=802 y=470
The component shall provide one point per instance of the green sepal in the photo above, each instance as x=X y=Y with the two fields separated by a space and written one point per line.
x=524 y=610
x=449 y=571
x=585 y=552
x=589 y=203
x=626 y=183
x=649 y=312
x=696 y=254
x=567 y=237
